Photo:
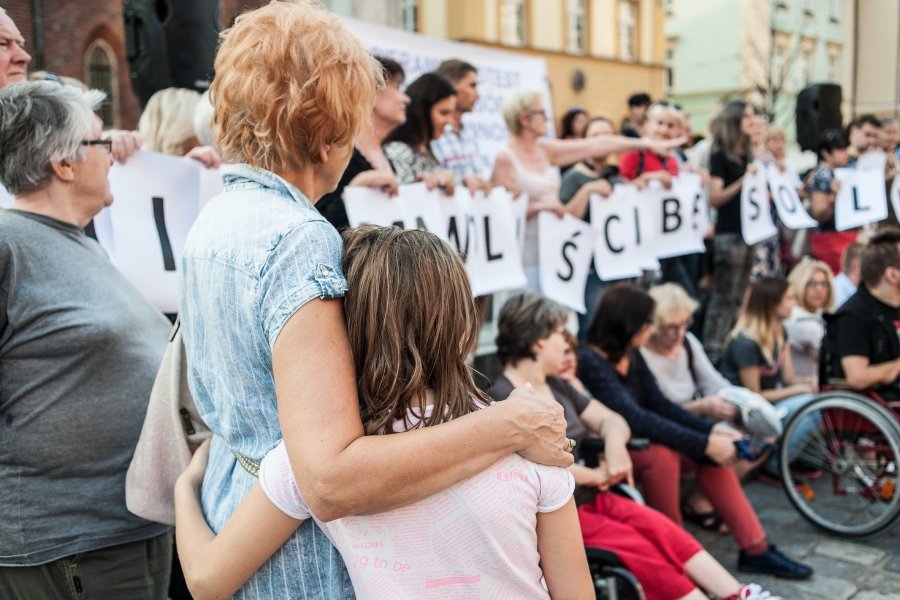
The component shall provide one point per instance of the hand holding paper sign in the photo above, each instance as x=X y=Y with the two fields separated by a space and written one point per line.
x=756 y=220
x=787 y=200
x=862 y=198
x=566 y=248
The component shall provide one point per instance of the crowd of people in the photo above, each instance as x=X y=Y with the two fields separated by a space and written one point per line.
x=332 y=364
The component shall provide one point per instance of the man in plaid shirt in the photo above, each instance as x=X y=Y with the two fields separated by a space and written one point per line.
x=456 y=149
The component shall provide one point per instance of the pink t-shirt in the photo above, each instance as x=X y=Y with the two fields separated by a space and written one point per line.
x=476 y=539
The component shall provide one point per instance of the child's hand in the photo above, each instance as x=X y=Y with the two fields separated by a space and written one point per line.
x=193 y=474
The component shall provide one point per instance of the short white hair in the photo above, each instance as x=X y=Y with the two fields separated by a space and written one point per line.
x=42 y=121
x=517 y=102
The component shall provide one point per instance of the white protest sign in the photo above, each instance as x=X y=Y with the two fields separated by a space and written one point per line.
x=862 y=198
x=647 y=223
x=457 y=211
x=494 y=262
x=875 y=160
x=756 y=220
x=421 y=209
x=6 y=199
x=678 y=221
x=616 y=254
x=499 y=74
x=520 y=216
x=371 y=206
x=787 y=201
x=565 y=249
x=211 y=184
x=156 y=202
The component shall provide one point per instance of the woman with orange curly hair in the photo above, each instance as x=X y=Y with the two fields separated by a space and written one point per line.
x=261 y=307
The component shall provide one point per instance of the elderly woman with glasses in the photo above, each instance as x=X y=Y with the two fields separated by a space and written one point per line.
x=677 y=359
x=805 y=328
x=262 y=308
x=79 y=350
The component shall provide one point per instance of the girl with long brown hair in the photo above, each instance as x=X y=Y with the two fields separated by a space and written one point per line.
x=412 y=322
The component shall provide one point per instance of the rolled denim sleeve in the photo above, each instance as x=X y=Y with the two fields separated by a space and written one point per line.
x=304 y=264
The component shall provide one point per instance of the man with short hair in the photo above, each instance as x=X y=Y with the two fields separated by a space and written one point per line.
x=846 y=283
x=862 y=338
x=13 y=58
x=457 y=149
x=633 y=126
x=863 y=133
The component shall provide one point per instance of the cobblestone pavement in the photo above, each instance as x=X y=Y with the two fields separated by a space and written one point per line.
x=859 y=569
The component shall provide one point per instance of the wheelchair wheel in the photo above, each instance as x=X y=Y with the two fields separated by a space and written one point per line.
x=849 y=446
x=617 y=583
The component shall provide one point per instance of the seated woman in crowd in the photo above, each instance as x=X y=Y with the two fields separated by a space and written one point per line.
x=534 y=346
x=527 y=163
x=612 y=369
x=432 y=102
x=368 y=166
x=508 y=527
x=758 y=359
x=811 y=282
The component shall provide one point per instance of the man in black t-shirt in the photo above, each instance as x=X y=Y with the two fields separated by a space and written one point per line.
x=863 y=335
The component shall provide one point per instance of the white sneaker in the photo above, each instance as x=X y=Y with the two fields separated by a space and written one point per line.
x=753 y=591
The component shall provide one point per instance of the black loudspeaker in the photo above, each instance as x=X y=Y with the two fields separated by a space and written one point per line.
x=170 y=43
x=818 y=109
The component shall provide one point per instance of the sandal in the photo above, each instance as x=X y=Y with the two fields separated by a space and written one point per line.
x=711 y=521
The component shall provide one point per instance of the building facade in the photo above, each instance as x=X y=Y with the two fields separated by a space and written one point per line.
x=764 y=51
x=598 y=52
x=874 y=84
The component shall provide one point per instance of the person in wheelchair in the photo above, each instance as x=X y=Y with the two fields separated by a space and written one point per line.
x=862 y=344
x=667 y=561
x=612 y=368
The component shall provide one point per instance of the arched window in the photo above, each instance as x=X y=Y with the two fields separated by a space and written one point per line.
x=100 y=74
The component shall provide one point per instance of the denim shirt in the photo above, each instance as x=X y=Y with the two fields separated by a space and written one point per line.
x=257 y=253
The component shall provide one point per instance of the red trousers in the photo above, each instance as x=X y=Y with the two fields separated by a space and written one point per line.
x=649 y=545
x=658 y=469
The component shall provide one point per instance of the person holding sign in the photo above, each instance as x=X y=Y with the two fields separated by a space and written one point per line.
x=612 y=368
x=826 y=243
x=666 y=559
x=368 y=166
x=731 y=158
x=590 y=176
x=641 y=166
x=262 y=308
x=509 y=527
x=79 y=351
x=527 y=163
x=431 y=108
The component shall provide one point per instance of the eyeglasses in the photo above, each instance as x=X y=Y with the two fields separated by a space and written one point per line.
x=539 y=111
x=813 y=283
x=668 y=103
x=673 y=328
x=107 y=144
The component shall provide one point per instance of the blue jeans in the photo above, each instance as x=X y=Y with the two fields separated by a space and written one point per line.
x=808 y=427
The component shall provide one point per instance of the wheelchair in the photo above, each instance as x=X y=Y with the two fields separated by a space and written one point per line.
x=612 y=581
x=851 y=461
